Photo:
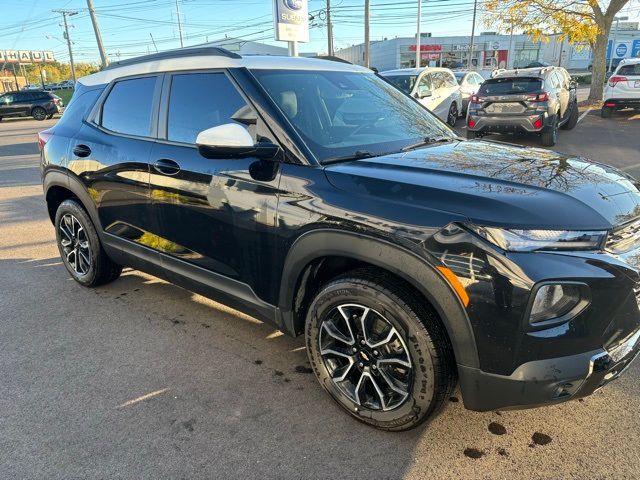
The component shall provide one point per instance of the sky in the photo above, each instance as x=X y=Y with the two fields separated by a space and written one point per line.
x=127 y=26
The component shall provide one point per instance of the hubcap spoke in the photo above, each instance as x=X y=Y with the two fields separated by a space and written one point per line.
x=365 y=357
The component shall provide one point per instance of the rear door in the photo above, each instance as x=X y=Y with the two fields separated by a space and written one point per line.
x=561 y=88
x=110 y=156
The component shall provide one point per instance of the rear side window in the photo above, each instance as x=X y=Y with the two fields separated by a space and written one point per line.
x=510 y=86
x=629 y=69
x=199 y=101
x=128 y=108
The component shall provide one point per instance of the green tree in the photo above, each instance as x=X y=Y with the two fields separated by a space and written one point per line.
x=579 y=21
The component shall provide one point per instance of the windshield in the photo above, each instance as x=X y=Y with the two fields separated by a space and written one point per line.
x=510 y=86
x=342 y=114
x=402 y=82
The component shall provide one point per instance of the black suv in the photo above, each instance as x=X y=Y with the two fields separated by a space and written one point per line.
x=535 y=100
x=36 y=103
x=315 y=196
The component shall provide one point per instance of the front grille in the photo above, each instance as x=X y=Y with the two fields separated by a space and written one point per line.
x=625 y=238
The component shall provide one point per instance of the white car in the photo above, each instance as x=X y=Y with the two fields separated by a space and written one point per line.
x=436 y=88
x=469 y=85
x=623 y=88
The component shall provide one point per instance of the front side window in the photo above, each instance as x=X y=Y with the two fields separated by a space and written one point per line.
x=199 y=101
x=128 y=108
x=340 y=114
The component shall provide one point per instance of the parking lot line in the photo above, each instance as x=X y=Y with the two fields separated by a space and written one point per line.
x=586 y=112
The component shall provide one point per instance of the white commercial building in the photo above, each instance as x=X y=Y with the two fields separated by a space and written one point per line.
x=490 y=51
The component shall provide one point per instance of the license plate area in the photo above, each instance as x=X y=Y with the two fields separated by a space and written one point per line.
x=636 y=84
x=511 y=107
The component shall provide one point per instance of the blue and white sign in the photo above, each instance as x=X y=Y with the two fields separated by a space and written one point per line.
x=291 y=20
x=621 y=50
x=635 y=48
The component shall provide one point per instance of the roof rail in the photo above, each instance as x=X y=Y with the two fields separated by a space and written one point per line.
x=177 y=53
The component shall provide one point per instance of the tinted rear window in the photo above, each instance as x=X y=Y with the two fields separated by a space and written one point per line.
x=629 y=70
x=510 y=86
x=128 y=107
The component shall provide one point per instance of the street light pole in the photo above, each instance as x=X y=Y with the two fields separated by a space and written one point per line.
x=418 y=46
x=473 y=33
x=366 y=33
x=615 y=39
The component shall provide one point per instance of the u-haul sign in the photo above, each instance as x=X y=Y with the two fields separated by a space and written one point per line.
x=26 y=56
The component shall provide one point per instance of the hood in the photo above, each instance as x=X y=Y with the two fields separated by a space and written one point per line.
x=497 y=184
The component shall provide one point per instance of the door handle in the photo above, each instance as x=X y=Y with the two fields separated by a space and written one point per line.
x=81 y=151
x=166 y=166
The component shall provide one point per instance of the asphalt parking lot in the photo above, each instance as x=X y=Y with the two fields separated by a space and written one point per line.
x=141 y=379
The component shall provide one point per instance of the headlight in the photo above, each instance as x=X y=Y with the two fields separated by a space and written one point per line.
x=514 y=240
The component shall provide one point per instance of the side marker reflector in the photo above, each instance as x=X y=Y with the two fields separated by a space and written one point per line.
x=455 y=283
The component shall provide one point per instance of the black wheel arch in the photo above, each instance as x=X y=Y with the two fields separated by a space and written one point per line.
x=59 y=186
x=310 y=248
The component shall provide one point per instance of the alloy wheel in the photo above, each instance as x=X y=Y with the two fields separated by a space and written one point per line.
x=39 y=113
x=453 y=114
x=365 y=357
x=75 y=244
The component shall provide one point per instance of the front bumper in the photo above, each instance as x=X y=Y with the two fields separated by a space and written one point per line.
x=549 y=381
x=507 y=123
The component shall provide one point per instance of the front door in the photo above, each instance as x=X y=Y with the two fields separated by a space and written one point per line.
x=432 y=102
x=212 y=214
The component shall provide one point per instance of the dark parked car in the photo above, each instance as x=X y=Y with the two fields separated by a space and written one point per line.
x=534 y=100
x=37 y=104
x=317 y=197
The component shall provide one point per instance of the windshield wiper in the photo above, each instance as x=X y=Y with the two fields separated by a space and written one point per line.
x=428 y=141
x=357 y=155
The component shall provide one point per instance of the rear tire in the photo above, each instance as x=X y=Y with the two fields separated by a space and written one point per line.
x=549 y=137
x=39 y=113
x=606 y=112
x=573 y=118
x=471 y=135
x=402 y=345
x=80 y=247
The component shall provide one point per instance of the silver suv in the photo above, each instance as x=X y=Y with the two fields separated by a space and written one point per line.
x=535 y=100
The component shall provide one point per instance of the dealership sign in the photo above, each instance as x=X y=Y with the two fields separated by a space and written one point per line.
x=291 y=20
x=26 y=56
x=426 y=48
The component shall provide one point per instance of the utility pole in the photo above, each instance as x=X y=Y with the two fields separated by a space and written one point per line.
x=511 y=49
x=65 y=14
x=418 y=46
x=329 y=30
x=179 y=24
x=367 y=12
x=96 y=29
x=473 y=33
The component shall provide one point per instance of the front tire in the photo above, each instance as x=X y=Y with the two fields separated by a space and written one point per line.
x=573 y=118
x=378 y=351
x=80 y=247
x=452 y=116
x=606 y=112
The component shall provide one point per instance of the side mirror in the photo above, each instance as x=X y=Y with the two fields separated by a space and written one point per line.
x=424 y=92
x=232 y=140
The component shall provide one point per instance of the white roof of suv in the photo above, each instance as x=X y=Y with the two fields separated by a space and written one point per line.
x=208 y=58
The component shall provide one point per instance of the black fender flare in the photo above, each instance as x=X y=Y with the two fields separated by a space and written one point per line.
x=402 y=262
x=55 y=178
